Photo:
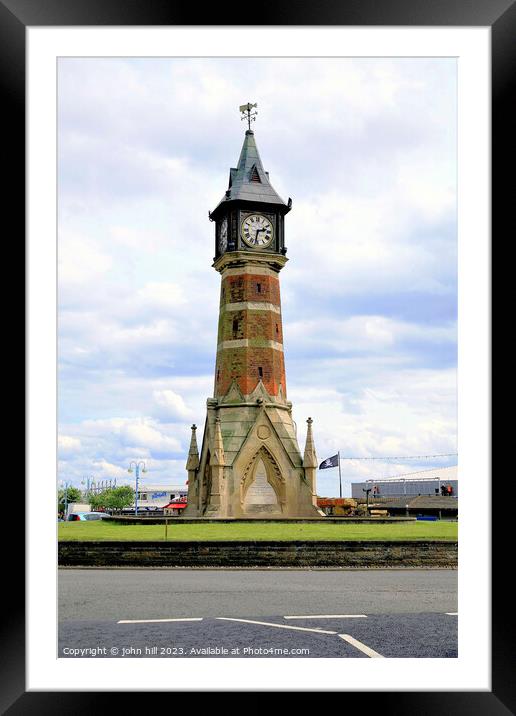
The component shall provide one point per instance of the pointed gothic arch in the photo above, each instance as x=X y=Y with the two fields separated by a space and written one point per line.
x=274 y=478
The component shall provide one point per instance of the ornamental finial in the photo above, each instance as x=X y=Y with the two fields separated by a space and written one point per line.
x=248 y=114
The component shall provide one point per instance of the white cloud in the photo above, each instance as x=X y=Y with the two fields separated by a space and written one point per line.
x=365 y=333
x=107 y=469
x=171 y=405
x=370 y=243
x=80 y=260
x=131 y=433
x=162 y=295
x=148 y=434
x=68 y=445
x=400 y=413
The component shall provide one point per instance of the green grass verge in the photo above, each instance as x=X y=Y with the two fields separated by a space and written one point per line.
x=250 y=532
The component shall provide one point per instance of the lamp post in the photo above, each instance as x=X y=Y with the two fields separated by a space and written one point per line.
x=137 y=466
x=367 y=490
x=66 y=484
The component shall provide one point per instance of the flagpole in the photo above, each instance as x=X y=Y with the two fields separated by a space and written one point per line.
x=340 y=477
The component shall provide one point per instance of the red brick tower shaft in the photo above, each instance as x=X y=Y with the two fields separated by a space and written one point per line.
x=250 y=334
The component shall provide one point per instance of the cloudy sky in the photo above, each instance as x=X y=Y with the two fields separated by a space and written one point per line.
x=366 y=148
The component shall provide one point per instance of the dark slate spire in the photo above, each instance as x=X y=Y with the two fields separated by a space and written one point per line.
x=249 y=181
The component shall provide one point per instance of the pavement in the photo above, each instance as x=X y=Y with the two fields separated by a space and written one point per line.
x=178 y=613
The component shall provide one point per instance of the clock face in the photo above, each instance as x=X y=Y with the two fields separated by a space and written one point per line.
x=223 y=235
x=257 y=231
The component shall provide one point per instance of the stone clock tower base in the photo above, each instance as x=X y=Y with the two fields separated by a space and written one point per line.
x=256 y=469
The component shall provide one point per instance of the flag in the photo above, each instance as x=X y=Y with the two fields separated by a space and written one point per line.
x=329 y=462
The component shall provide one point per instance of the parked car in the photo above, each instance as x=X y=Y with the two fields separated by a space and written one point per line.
x=86 y=516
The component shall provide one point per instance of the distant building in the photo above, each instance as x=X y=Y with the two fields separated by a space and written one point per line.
x=157 y=497
x=176 y=507
x=435 y=481
x=415 y=506
x=76 y=507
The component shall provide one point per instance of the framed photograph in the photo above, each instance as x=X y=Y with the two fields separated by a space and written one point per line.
x=377 y=124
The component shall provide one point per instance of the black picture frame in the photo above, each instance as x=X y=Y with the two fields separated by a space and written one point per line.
x=15 y=17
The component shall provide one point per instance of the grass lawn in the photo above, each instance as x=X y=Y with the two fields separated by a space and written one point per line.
x=251 y=532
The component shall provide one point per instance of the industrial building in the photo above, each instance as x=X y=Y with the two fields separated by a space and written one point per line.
x=418 y=506
x=435 y=481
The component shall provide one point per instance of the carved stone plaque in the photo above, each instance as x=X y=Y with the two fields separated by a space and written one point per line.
x=261 y=492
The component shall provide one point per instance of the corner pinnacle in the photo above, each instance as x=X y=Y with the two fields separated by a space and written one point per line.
x=193 y=454
x=310 y=456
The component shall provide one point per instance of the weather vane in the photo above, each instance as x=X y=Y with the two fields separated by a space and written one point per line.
x=248 y=114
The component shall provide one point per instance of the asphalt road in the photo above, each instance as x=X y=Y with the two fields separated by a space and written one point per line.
x=245 y=613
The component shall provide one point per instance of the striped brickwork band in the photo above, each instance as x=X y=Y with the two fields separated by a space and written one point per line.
x=250 y=334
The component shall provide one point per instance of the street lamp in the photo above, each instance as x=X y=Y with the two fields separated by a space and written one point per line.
x=66 y=485
x=137 y=466
x=367 y=490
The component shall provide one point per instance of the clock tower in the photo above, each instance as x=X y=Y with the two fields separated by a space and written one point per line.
x=250 y=464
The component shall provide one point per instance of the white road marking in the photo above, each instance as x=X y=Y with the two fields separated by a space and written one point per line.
x=278 y=626
x=452 y=614
x=150 y=621
x=361 y=647
x=330 y=616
